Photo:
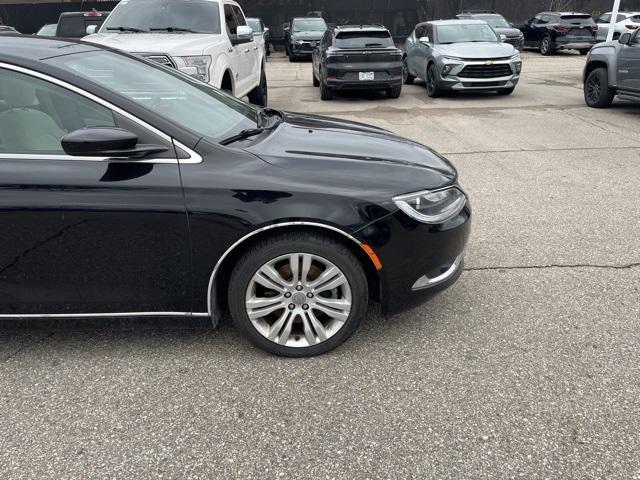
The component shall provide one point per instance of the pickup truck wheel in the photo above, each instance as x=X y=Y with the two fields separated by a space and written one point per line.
x=326 y=93
x=597 y=92
x=546 y=46
x=259 y=95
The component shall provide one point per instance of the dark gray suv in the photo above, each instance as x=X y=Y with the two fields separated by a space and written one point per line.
x=613 y=68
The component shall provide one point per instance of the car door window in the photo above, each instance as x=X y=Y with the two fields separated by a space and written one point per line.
x=230 y=18
x=240 y=20
x=604 y=18
x=36 y=114
x=428 y=32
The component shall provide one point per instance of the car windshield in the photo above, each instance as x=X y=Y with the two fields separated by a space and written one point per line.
x=194 y=105
x=465 y=32
x=309 y=25
x=197 y=16
x=254 y=23
x=581 y=20
x=364 y=39
x=494 y=21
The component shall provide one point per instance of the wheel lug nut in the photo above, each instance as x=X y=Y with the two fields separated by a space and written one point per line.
x=309 y=295
x=305 y=307
x=287 y=295
x=291 y=306
x=299 y=287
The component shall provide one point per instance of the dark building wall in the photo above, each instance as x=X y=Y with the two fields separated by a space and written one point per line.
x=400 y=16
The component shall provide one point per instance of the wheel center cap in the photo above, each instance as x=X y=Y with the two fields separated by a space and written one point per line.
x=299 y=298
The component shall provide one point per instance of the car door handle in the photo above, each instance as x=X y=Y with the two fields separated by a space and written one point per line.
x=255 y=48
x=230 y=49
x=247 y=50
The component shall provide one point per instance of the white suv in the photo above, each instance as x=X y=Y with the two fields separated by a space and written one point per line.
x=206 y=39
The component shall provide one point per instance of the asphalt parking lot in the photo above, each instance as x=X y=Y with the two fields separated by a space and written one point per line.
x=529 y=367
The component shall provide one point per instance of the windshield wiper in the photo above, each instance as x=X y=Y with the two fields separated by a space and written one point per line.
x=263 y=113
x=172 y=29
x=126 y=29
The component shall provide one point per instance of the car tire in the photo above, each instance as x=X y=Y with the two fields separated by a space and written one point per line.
x=547 y=46
x=506 y=91
x=407 y=78
x=259 y=95
x=326 y=93
x=394 y=92
x=597 y=93
x=316 y=82
x=433 y=89
x=304 y=335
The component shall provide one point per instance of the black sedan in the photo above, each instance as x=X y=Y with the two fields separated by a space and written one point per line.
x=361 y=57
x=130 y=189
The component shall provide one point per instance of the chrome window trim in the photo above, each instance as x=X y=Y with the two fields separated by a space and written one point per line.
x=194 y=157
x=210 y=293
x=104 y=315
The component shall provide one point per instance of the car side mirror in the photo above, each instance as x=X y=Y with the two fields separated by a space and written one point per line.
x=91 y=29
x=503 y=37
x=107 y=142
x=244 y=34
x=625 y=38
x=266 y=29
x=425 y=40
x=286 y=26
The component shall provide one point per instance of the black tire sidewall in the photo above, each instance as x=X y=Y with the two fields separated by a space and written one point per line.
x=606 y=96
x=261 y=254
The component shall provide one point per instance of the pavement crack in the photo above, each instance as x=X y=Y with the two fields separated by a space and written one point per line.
x=27 y=345
x=627 y=266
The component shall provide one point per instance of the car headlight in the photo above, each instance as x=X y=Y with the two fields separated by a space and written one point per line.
x=432 y=206
x=517 y=62
x=452 y=59
x=196 y=67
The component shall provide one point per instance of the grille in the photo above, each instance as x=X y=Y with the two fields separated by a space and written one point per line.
x=486 y=71
x=161 y=59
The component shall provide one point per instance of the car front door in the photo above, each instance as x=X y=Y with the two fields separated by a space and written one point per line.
x=629 y=65
x=531 y=32
x=84 y=235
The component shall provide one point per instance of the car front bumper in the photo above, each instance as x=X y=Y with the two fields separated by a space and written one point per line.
x=418 y=259
x=479 y=75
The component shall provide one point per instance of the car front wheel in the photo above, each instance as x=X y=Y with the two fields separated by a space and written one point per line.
x=597 y=92
x=298 y=294
x=407 y=78
x=259 y=95
x=433 y=89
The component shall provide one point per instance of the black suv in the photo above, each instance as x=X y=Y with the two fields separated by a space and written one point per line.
x=499 y=24
x=553 y=31
x=302 y=35
x=361 y=57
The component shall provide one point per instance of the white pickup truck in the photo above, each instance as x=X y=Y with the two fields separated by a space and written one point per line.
x=206 y=39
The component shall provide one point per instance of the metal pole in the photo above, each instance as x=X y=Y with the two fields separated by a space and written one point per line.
x=612 y=22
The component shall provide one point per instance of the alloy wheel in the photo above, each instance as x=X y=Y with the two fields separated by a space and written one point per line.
x=431 y=80
x=298 y=300
x=594 y=89
x=544 y=48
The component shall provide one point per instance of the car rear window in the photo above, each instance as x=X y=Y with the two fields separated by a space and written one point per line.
x=76 y=26
x=364 y=39
x=577 y=20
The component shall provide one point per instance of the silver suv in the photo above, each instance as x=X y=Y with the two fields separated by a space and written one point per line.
x=613 y=68
x=461 y=55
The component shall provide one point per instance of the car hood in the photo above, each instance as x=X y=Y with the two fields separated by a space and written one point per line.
x=477 y=50
x=510 y=32
x=353 y=158
x=169 y=43
x=307 y=35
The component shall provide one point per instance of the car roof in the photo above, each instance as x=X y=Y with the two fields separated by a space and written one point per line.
x=457 y=21
x=307 y=18
x=358 y=28
x=90 y=13
x=26 y=47
x=562 y=14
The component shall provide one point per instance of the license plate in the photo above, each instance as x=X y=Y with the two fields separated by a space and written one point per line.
x=367 y=76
